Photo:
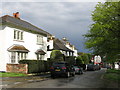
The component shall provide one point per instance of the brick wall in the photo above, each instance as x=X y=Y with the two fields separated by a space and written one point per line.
x=17 y=68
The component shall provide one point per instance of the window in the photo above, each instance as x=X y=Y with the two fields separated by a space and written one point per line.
x=39 y=39
x=40 y=57
x=17 y=56
x=18 y=35
x=13 y=57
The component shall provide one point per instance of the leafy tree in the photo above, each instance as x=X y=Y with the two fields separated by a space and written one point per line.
x=79 y=60
x=85 y=58
x=104 y=35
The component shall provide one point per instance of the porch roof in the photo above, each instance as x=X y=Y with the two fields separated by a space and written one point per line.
x=18 y=48
x=40 y=51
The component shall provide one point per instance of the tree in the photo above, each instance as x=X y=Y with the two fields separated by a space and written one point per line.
x=104 y=35
x=79 y=60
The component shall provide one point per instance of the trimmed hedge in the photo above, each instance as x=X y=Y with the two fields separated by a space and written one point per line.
x=70 y=59
x=36 y=66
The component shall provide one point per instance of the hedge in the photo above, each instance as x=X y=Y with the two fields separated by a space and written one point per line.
x=70 y=60
x=36 y=66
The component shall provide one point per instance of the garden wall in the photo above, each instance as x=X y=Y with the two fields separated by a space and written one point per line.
x=17 y=68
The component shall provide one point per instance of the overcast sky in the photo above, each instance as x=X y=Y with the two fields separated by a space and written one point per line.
x=62 y=19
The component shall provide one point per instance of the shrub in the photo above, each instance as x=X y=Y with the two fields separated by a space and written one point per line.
x=56 y=56
x=70 y=60
x=36 y=66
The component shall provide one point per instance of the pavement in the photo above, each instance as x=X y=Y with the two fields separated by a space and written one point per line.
x=12 y=81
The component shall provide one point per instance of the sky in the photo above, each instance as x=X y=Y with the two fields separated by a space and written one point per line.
x=68 y=18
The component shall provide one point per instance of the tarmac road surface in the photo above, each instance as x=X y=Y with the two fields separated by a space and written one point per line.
x=90 y=79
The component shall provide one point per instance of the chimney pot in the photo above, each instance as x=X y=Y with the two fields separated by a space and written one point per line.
x=16 y=15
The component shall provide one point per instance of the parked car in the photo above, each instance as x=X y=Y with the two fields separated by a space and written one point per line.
x=78 y=69
x=93 y=67
x=62 y=69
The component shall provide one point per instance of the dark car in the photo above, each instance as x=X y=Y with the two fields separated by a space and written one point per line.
x=78 y=69
x=93 y=67
x=62 y=69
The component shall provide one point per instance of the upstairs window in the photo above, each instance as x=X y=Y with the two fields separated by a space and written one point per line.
x=39 y=39
x=18 y=35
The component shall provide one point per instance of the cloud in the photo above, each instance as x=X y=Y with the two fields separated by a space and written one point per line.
x=62 y=19
x=54 y=0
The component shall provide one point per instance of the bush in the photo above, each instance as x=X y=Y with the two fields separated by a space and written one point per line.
x=56 y=56
x=36 y=66
x=70 y=60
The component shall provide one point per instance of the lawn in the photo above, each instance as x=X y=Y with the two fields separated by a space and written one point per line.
x=6 y=74
x=112 y=75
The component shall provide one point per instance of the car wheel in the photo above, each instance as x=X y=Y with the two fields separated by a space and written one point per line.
x=68 y=74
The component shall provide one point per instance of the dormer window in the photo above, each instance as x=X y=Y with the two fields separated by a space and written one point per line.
x=18 y=35
x=39 y=39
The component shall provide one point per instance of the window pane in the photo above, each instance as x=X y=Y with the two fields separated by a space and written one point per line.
x=39 y=39
x=18 y=35
x=21 y=35
x=13 y=57
x=14 y=34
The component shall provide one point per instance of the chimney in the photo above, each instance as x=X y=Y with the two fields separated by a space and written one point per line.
x=16 y=15
x=64 y=39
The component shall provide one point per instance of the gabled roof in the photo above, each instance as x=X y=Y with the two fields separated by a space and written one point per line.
x=58 y=45
x=21 y=24
x=68 y=42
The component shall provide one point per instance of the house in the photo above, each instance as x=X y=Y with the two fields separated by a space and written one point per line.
x=56 y=44
x=20 y=40
x=70 y=46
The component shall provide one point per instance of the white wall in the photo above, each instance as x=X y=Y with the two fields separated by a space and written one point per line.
x=29 y=42
x=2 y=49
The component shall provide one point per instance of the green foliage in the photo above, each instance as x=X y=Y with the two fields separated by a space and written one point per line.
x=112 y=75
x=103 y=37
x=70 y=60
x=36 y=66
x=85 y=58
x=56 y=56
x=79 y=60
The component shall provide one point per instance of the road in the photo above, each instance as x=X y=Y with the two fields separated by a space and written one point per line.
x=90 y=79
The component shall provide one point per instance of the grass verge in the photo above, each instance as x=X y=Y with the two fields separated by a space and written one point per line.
x=7 y=74
x=112 y=75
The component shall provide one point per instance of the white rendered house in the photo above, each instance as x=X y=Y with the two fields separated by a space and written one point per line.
x=70 y=46
x=20 y=40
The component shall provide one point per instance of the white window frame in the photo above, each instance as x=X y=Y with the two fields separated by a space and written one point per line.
x=17 y=56
x=13 y=57
x=18 y=35
x=40 y=39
